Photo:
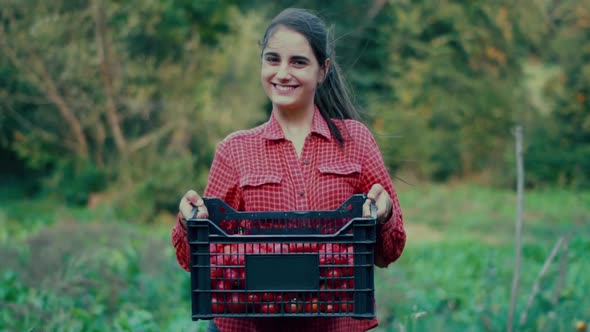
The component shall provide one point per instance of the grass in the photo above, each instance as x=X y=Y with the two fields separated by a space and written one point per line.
x=67 y=269
x=488 y=214
x=456 y=271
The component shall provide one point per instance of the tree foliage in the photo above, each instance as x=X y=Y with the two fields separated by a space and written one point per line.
x=138 y=92
x=131 y=97
x=560 y=141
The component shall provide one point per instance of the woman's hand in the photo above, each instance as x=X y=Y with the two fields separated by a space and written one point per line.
x=190 y=200
x=382 y=201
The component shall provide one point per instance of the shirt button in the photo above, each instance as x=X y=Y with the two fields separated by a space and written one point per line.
x=306 y=161
x=302 y=193
x=309 y=138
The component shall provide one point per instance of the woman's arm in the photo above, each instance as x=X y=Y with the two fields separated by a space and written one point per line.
x=391 y=236
x=222 y=183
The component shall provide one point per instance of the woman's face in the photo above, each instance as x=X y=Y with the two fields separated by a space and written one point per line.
x=290 y=71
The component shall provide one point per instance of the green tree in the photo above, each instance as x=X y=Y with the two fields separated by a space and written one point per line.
x=559 y=150
x=454 y=78
x=133 y=92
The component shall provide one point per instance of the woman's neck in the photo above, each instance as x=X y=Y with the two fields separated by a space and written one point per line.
x=295 y=124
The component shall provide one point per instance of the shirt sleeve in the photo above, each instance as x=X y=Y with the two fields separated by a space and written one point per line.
x=391 y=236
x=223 y=182
x=180 y=243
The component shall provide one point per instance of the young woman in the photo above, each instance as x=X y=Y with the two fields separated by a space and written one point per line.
x=312 y=154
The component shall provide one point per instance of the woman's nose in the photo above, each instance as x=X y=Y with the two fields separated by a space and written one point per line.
x=283 y=72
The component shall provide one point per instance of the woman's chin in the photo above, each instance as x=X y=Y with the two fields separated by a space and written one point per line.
x=284 y=103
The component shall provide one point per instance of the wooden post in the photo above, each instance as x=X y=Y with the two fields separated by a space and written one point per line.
x=518 y=228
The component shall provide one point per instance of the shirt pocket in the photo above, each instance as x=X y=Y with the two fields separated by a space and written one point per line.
x=337 y=182
x=345 y=169
x=262 y=192
x=259 y=180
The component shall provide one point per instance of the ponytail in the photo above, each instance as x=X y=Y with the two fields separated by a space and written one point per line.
x=333 y=98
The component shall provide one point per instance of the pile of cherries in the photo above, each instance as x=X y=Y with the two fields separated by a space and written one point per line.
x=336 y=283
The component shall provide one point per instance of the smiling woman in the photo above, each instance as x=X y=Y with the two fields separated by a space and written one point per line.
x=304 y=40
x=290 y=73
x=312 y=155
x=290 y=76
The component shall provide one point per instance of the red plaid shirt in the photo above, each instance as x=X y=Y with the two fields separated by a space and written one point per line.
x=258 y=170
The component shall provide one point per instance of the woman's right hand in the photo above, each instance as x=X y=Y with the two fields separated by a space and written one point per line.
x=190 y=200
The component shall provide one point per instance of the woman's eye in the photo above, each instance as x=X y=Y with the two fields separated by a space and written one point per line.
x=299 y=63
x=272 y=59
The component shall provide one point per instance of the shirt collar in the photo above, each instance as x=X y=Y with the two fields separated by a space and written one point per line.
x=273 y=130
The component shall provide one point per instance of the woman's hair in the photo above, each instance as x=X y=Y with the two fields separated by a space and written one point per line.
x=332 y=96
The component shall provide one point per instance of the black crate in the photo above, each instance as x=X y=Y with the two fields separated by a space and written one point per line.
x=279 y=264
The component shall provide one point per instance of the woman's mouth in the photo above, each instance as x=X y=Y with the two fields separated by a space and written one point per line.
x=284 y=89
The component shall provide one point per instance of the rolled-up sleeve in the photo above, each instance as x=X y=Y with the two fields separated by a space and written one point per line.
x=180 y=243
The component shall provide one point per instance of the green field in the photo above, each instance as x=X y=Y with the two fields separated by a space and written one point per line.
x=456 y=272
x=65 y=269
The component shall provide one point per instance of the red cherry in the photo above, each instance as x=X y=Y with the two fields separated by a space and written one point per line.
x=293 y=306
x=347 y=307
x=231 y=274
x=290 y=296
x=253 y=248
x=334 y=247
x=230 y=254
x=253 y=297
x=268 y=308
x=312 y=306
x=259 y=248
x=329 y=308
x=295 y=247
x=350 y=283
x=216 y=259
x=237 y=303
x=340 y=259
x=214 y=273
x=349 y=270
x=268 y=297
x=222 y=284
x=326 y=294
x=279 y=248
x=217 y=306
x=333 y=276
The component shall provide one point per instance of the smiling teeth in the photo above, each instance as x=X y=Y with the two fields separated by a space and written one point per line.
x=284 y=88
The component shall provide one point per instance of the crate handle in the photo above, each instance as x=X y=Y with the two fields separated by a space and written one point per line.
x=373 y=209
x=214 y=204
x=194 y=212
x=338 y=233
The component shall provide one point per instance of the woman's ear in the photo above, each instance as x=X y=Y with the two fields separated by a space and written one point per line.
x=324 y=71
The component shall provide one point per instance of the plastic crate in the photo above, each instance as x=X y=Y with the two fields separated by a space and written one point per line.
x=282 y=264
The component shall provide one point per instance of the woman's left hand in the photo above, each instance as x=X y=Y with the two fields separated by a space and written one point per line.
x=382 y=201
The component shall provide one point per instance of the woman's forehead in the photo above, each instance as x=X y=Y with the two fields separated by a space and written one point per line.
x=285 y=40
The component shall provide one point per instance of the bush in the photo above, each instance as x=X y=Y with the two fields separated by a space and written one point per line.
x=91 y=277
x=73 y=182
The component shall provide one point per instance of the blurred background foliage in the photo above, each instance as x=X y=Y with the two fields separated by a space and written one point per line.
x=130 y=97
x=110 y=110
